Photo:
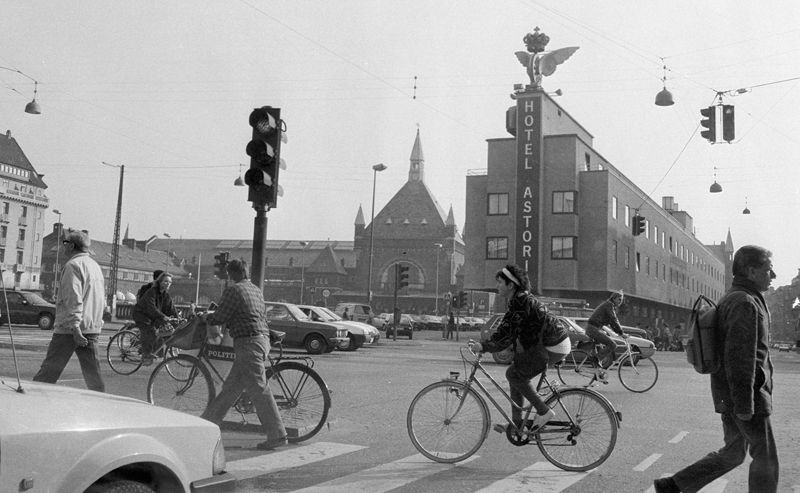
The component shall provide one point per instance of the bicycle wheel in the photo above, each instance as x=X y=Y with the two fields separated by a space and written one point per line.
x=577 y=369
x=638 y=376
x=583 y=433
x=124 y=352
x=303 y=399
x=190 y=392
x=447 y=421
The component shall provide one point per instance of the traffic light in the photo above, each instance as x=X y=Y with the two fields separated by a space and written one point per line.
x=265 y=156
x=462 y=299
x=639 y=225
x=220 y=264
x=402 y=276
x=728 y=129
x=710 y=123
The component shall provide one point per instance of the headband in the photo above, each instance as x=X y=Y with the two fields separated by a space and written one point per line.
x=510 y=276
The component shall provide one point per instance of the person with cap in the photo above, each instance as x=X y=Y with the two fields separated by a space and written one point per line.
x=242 y=310
x=149 y=285
x=523 y=327
x=606 y=315
x=79 y=315
x=152 y=311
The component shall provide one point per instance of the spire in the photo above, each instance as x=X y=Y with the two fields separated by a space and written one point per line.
x=416 y=171
x=360 y=217
x=729 y=242
x=127 y=227
x=451 y=220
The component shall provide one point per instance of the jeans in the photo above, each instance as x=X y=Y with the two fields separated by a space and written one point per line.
x=755 y=434
x=520 y=375
x=60 y=350
x=248 y=373
x=606 y=355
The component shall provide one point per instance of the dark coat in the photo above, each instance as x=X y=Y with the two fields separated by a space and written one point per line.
x=743 y=383
x=525 y=318
x=154 y=306
x=606 y=314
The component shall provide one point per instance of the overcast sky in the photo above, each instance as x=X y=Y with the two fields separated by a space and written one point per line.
x=166 y=88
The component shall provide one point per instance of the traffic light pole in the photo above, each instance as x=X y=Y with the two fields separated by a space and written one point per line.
x=396 y=287
x=259 y=242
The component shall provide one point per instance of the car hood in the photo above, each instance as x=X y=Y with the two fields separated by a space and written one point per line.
x=358 y=327
x=646 y=346
x=60 y=408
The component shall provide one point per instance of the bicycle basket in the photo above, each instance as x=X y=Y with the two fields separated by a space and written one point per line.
x=190 y=335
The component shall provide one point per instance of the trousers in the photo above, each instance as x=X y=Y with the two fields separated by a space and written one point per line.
x=739 y=436
x=249 y=373
x=60 y=350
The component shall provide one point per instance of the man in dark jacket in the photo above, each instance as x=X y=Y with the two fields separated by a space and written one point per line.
x=606 y=315
x=153 y=309
x=742 y=386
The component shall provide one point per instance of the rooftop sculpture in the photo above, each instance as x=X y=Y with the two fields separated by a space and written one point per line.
x=538 y=62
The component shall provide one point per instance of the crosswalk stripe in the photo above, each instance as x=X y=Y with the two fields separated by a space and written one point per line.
x=541 y=477
x=384 y=477
x=288 y=458
x=680 y=436
x=642 y=466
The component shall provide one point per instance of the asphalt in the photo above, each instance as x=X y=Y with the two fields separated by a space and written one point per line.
x=31 y=338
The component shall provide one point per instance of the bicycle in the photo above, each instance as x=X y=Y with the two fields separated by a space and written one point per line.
x=581 y=368
x=448 y=420
x=302 y=396
x=124 y=350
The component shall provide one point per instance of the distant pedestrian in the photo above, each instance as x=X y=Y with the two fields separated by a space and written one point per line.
x=451 y=326
x=346 y=314
x=79 y=315
x=742 y=387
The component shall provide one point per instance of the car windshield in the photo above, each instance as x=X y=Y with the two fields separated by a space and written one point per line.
x=334 y=317
x=34 y=298
x=323 y=316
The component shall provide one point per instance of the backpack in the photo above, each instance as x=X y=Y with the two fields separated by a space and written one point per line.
x=553 y=331
x=701 y=346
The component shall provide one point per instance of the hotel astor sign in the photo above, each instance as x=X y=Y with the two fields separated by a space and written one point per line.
x=528 y=196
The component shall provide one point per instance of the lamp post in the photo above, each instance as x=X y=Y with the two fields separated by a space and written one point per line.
x=438 y=249
x=58 y=249
x=375 y=169
x=302 y=268
x=33 y=107
x=169 y=243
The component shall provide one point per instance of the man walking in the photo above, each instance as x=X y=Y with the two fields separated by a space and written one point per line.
x=242 y=310
x=79 y=315
x=742 y=386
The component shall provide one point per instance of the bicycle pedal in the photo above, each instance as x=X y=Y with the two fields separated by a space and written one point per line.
x=499 y=428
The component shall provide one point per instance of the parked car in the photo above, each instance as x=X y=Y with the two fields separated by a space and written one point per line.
x=69 y=440
x=379 y=322
x=404 y=328
x=315 y=337
x=358 y=333
x=784 y=347
x=27 y=308
x=357 y=312
x=434 y=322
x=634 y=331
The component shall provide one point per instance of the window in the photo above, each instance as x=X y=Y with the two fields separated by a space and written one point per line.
x=627 y=215
x=21 y=235
x=563 y=247
x=627 y=257
x=614 y=251
x=19 y=256
x=638 y=261
x=6 y=207
x=655 y=235
x=24 y=211
x=498 y=204
x=563 y=202
x=497 y=247
x=647 y=229
x=614 y=206
x=3 y=232
x=2 y=254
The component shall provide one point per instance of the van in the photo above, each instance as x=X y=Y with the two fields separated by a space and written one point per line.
x=355 y=311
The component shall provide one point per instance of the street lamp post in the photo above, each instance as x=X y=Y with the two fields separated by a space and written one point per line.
x=302 y=269
x=438 y=249
x=58 y=249
x=169 y=244
x=375 y=168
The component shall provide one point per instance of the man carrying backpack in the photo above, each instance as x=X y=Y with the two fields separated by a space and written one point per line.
x=742 y=385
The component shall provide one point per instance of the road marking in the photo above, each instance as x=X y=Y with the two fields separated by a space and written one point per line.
x=384 y=477
x=680 y=436
x=286 y=459
x=541 y=477
x=642 y=466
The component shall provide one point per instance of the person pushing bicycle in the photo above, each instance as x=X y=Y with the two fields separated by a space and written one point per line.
x=606 y=314
x=523 y=326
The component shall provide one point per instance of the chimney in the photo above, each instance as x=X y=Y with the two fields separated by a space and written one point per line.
x=668 y=203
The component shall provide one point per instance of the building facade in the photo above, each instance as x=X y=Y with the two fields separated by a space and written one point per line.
x=549 y=202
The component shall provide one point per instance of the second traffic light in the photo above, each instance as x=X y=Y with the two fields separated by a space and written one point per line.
x=265 y=156
x=462 y=299
x=402 y=276
x=639 y=225
x=709 y=123
x=220 y=264
x=728 y=127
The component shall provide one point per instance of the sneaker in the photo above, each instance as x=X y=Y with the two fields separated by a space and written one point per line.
x=147 y=360
x=665 y=485
x=601 y=376
x=541 y=419
x=272 y=444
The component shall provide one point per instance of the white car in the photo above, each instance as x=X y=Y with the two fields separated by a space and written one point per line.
x=61 y=439
x=358 y=333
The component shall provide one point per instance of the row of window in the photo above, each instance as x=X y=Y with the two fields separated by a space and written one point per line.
x=563 y=202
x=561 y=247
x=20 y=255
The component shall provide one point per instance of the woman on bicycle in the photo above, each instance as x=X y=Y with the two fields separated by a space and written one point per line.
x=151 y=311
x=606 y=314
x=523 y=326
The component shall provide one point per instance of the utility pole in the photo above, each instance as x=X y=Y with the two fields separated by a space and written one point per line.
x=112 y=282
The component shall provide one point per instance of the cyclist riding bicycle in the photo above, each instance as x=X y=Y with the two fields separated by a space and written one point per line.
x=606 y=314
x=153 y=311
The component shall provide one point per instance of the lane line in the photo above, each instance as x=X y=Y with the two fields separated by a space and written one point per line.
x=680 y=436
x=384 y=477
x=642 y=466
x=286 y=459
x=541 y=477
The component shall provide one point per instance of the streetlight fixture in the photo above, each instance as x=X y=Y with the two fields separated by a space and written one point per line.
x=375 y=169
x=33 y=107
x=302 y=268
x=58 y=249
x=239 y=182
x=166 y=259
x=438 y=249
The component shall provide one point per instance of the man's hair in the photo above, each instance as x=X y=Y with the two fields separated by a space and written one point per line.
x=162 y=276
x=157 y=273
x=237 y=267
x=749 y=256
